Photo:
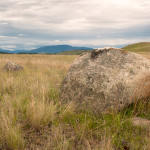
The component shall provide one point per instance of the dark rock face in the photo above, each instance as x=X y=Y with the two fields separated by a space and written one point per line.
x=107 y=79
x=11 y=66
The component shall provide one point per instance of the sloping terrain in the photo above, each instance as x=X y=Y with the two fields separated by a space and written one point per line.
x=49 y=49
x=138 y=47
x=58 y=49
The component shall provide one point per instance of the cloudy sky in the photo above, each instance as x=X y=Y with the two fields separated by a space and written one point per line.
x=28 y=24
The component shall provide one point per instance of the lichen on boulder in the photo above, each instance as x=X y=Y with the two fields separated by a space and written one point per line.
x=107 y=79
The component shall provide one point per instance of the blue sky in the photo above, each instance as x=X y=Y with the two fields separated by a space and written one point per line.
x=28 y=24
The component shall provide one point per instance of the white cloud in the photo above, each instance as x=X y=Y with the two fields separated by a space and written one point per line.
x=2 y=36
x=8 y=47
x=4 y=23
x=8 y=37
x=80 y=21
x=20 y=34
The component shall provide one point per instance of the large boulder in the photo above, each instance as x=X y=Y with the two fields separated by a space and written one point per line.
x=11 y=66
x=107 y=79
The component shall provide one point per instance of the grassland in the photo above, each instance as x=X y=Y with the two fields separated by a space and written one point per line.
x=32 y=118
x=138 y=47
x=73 y=52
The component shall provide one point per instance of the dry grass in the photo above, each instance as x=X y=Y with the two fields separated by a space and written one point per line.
x=28 y=98
x=40 y=114
x=11 y=136
x=33 y=118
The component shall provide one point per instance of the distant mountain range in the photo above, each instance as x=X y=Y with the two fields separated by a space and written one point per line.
x=4 y=51
x=47 y=49
x=72 y=50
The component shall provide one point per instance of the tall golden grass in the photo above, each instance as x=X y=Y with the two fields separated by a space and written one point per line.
x=30 y=97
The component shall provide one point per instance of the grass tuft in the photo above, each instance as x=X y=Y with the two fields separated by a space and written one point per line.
x=40 y=114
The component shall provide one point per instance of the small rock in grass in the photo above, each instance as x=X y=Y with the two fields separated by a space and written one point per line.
x=11 y=66
x=140 y=122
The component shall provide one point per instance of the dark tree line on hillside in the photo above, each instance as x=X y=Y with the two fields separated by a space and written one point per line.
x=4 y=52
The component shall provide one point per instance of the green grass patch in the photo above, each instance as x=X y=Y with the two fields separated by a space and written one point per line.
x=138 y=47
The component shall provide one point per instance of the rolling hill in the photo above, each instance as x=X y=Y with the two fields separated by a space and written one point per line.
x=2 y=51
x=48 y=49
x=58 y=49
x=138 y=47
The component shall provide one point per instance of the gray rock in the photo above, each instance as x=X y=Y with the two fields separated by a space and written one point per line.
x=107 y=79
x=11 y=66
x=140 y=122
